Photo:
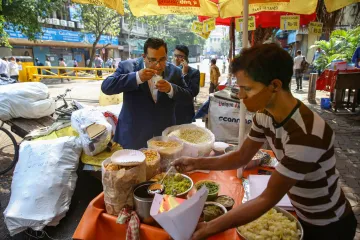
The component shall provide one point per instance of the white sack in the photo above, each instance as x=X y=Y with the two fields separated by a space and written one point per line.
x=224 y=120
x=26 y=100
x=43 y=184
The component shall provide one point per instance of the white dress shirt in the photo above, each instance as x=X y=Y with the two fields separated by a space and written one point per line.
x=297 y=62
x=4 y=67
x=152 y=87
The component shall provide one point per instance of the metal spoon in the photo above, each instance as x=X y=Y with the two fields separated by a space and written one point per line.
x=158 y=187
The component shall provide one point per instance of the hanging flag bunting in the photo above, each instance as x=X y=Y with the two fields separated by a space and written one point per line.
x=251 y=24
x=315 y=28
x=290 y=22
x=117 y=5
x=197 y=27
x=208 y=25
x=165 y=7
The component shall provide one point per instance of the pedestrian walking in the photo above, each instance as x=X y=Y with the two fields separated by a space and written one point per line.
x=47 y=64
x=114 y=63
x=6 y=64
x=214 y=76
x=298 y=72
x=75 y=63
x=98 y=64
x=62 y=71
x=14 y=69
x=39 y=64
x=3 y=68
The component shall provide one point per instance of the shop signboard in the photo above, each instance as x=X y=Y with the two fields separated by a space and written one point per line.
x=62 y=35
x=290 y=22
x=251 y=24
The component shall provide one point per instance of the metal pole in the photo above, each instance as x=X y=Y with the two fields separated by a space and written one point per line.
x=242 y=105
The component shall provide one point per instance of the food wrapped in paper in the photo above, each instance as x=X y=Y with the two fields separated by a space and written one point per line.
x=152 y=161
x=168 y=148
x=197 y=141
x=118 y=182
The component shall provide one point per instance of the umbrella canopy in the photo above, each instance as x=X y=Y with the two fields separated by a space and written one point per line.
x=266 y=19
x=117 y=5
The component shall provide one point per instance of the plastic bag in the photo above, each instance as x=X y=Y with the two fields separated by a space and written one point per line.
x=193 y=149
x=85 y=117
x=26 y=100
x=43 y=183
x=118 y=186
x=167 y=154
x=152 y=165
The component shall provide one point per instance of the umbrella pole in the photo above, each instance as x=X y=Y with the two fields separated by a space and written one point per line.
x=245 y=33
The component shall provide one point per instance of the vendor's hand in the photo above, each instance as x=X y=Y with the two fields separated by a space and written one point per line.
x=185 y=69
x=202 y=232
x=163 y=86
x=184 y=164
x=146 y=74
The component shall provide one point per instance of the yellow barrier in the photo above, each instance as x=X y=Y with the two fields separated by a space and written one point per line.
x=202 y=79
x=78 y=73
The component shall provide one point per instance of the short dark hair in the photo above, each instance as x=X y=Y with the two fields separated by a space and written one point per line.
x=264 y=63
x=213 y=61
x=184 y=49
x=298 y=52
x=154 y=43
x=61 y=59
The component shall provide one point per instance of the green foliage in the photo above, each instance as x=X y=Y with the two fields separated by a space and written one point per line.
x=22 y=15
x=341 y=46
x=99 y=20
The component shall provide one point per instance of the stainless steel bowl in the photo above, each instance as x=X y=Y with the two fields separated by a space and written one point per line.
x=289 y=216
x=184 y=194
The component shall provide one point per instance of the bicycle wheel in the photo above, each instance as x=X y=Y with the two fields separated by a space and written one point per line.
x=9 y=151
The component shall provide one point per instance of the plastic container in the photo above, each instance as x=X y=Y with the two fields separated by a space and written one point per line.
x=208 y=218
x=167 y=154
x=227 y=201
x=192 y=149
x=212 y=196
x=325 y=103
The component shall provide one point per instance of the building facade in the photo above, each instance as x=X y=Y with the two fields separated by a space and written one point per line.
x=62 y=38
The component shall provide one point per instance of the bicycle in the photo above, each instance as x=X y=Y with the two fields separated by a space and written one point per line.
x=9 y=148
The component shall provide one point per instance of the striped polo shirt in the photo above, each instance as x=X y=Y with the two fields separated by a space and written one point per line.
x=304 y=145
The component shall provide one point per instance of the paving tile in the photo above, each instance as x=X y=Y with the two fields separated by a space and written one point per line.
x=351 y=182
x=356 y=210
x=353 y=200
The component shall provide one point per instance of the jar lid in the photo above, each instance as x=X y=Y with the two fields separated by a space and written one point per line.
x=128 y=157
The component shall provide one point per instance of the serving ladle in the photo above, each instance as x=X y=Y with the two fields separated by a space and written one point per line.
x=158 y=187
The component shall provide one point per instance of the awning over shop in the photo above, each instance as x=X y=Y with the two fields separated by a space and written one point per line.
x=291 y=37
x=18 y=41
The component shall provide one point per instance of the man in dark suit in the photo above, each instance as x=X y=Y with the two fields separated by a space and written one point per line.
x=151 y=87
x=184 y=110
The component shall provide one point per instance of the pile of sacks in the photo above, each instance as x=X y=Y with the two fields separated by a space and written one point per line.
x=26 y=100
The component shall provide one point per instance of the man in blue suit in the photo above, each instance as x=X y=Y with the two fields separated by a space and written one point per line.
x=151 y=87
x=184 y=110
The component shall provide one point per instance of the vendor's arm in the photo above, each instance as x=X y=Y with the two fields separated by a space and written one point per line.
x=277 y=187
x=124 y=81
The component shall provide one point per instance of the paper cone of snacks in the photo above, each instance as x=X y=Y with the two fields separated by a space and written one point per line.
x=119 y=175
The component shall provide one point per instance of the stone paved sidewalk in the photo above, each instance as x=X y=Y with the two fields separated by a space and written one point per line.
x=347 y=148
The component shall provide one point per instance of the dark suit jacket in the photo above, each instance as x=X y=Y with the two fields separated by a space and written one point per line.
x=140 y=117
x=184 y=110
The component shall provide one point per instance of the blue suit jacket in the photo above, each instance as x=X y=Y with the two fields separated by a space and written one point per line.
x=185 y=110
x=140 y=117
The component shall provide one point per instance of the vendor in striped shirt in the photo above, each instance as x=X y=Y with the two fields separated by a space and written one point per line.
x=302 y=142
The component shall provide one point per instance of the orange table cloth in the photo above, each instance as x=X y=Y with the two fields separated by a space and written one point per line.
x=96 y=224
